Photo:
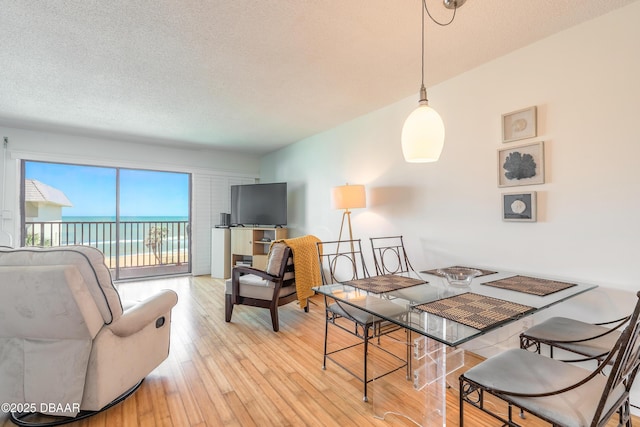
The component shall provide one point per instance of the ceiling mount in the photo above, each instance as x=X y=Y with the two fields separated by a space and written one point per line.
x=453 y=4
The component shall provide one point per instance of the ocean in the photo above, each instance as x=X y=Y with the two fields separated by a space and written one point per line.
x=135 y=234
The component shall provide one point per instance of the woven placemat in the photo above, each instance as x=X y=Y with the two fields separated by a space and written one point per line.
x=530 y=285
x=478 y=311
x=385 y=283
x=436 y=273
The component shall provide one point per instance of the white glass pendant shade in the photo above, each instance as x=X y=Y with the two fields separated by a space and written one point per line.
x=422 y=135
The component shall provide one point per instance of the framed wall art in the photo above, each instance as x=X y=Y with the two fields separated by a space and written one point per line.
x=519 y=206
x=519 y=124
x=521 y=165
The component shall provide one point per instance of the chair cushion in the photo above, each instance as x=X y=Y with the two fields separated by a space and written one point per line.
x=274 y=263
x=252 y=286
x=523 y=371
x=378 y=305
x=563 y=329
x=276 y=255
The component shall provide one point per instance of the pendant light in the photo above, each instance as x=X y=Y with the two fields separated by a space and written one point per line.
x=423 y=131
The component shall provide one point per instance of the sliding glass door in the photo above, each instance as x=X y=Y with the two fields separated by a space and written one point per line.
x=139 y=219
x=154 y=223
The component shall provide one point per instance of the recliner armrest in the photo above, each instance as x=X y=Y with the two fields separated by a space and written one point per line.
x=145 y=312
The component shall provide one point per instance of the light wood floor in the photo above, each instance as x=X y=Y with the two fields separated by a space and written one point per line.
x=243 y=374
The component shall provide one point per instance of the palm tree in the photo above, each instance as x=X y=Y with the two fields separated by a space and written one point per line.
x=155 y=240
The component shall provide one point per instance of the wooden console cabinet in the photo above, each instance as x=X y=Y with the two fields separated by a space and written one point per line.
x=251 y=245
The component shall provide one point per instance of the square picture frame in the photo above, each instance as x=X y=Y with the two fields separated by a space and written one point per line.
x=521 y=165
x=521 y=207
x=520 y=124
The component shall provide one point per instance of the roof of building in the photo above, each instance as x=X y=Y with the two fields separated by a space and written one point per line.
x=35 y=191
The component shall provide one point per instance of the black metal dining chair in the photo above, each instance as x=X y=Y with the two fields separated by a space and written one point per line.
x=390 y=256
x=560 y=393
x=342 y=261
x=589 y=341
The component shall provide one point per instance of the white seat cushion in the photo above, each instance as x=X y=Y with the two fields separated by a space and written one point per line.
x=252 y=286
x=523 y=371
x=276 y=253
x=564 y=329
x=378 y=305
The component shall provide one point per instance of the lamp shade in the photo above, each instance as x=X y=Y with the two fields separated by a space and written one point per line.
x=422 y=135
x=348 y=197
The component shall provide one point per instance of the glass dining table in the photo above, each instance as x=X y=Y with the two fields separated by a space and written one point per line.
x=439 y=318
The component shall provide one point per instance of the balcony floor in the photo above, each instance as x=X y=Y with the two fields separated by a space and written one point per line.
x=128 y=273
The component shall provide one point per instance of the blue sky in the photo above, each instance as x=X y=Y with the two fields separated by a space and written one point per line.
x=92 y=190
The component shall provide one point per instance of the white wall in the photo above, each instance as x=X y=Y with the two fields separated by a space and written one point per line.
x=206 y=165
x=584 y=82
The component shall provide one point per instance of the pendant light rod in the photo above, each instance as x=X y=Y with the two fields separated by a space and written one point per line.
x=423 y=90
x=449 y=4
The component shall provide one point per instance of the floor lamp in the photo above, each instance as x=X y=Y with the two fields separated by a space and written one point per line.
x=348 y=197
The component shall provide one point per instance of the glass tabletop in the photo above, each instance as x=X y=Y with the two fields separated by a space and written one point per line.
x=414 y=307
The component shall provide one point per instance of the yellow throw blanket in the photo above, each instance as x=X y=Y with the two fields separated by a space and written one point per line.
x=305 y=264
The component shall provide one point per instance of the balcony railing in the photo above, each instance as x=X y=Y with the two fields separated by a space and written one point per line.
x=124 y=244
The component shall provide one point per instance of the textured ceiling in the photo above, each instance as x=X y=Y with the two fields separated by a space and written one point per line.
x=243 y=75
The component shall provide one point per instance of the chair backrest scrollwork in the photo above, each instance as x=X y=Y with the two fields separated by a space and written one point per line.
x=390 y=256
x=341 y=260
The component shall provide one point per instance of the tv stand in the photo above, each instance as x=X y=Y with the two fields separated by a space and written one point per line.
x=250 y=245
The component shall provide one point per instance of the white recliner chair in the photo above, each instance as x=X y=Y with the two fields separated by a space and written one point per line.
x=65 y=338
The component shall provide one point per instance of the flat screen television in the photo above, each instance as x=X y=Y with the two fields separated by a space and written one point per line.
x=259 y=204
